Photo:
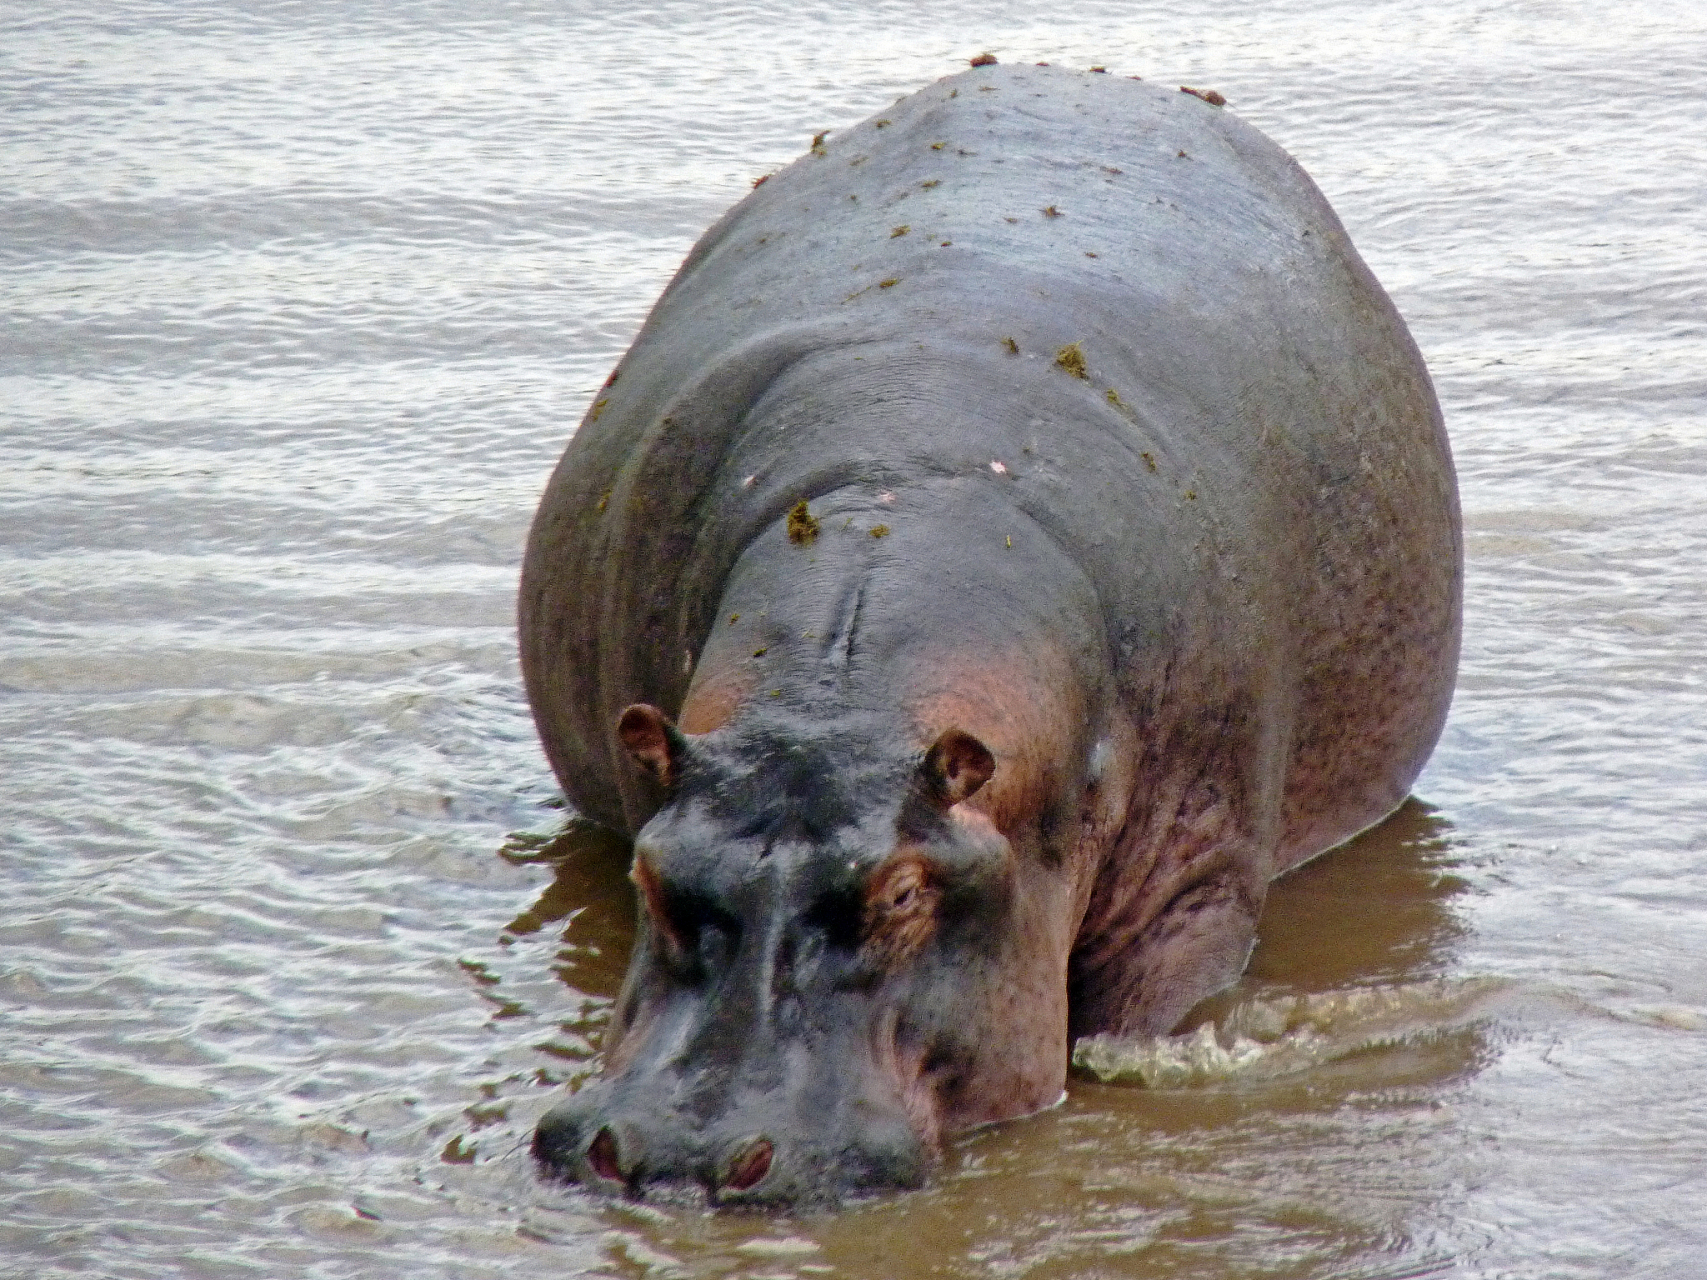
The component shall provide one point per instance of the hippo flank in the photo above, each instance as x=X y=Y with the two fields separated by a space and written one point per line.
x=1022 y=529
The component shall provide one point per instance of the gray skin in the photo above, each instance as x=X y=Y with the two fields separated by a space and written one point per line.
x=1078 y=659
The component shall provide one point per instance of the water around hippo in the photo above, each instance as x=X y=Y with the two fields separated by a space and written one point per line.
x=302 y=306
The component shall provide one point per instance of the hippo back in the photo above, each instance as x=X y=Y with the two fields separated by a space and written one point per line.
x=1121 y=313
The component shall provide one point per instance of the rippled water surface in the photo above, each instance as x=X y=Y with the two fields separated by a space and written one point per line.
x=300 y=304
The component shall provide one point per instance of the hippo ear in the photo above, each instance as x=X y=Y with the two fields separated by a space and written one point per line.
x=955 y=767
x=656 y=745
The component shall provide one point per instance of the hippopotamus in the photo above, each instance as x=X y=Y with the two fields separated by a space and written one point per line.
x=1021 y=530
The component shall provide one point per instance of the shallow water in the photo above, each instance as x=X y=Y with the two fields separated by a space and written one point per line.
x=301 y=303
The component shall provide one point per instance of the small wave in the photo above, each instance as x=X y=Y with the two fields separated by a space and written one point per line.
x=1264 y=1038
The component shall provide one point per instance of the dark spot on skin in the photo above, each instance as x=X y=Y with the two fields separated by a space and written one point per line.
x=984 y=60
x=802 y=525
x=1072 y=358
x=1208 y=95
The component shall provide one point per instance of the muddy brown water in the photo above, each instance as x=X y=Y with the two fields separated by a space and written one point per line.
x=300 y=305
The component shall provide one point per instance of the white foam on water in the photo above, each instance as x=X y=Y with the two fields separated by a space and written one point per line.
x=1265 y=1038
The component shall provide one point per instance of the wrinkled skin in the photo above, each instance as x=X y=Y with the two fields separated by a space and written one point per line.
x=999 y=741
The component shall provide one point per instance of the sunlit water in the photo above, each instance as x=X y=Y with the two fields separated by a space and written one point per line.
x=301 y=302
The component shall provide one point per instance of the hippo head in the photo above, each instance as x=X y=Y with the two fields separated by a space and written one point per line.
x=834 y=967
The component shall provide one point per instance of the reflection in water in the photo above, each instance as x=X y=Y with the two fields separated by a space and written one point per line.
x=1377 y=909
x=590 y=891
x=589 y=905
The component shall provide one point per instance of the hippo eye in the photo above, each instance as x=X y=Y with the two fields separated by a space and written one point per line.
x=900 y=913
x=713 y=946
x=693 y=934
x=698 y=939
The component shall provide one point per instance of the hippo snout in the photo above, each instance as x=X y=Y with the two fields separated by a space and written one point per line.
x=619 y=1150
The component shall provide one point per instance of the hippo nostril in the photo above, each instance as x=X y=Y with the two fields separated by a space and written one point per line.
x=602 y=1155
x=749 y=1165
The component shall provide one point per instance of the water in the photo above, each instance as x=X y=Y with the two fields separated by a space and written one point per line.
x=301 y=302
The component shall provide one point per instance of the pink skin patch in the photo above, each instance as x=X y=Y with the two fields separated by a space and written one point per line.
x=750 y=1166
x=602 y=1156
x=715 y=696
